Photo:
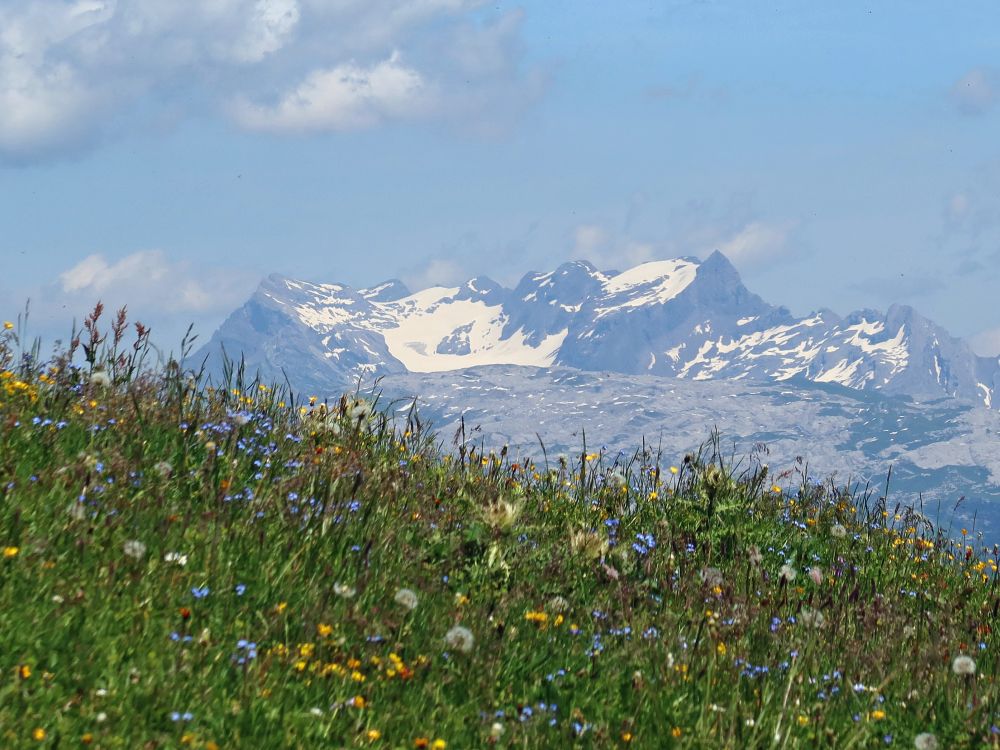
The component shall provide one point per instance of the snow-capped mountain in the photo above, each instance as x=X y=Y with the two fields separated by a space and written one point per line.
x=681 y=317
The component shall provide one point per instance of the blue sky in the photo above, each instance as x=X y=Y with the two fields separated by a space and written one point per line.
x=169 y=153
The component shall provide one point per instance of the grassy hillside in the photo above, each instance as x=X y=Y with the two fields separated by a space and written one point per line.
x=189 y=567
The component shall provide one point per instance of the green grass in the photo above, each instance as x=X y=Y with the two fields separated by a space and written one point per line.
x=614 y=600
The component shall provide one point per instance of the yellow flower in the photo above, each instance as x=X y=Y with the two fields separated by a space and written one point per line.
x=324 y=630
x=626 y=737
x=439 y=744
x=9 y=552
x=878 y=714
x=676 y=732
x=373 y=734
x=24 y=671
x=803 y=720
x=7 y=325
x=281 y=607
x=721 y=648
x=87 y=738
x=674 y=469
x=38 y=734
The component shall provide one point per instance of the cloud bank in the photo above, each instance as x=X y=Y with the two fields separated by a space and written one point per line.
x=72 y=71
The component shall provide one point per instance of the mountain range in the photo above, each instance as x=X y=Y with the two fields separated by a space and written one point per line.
x=679 y=318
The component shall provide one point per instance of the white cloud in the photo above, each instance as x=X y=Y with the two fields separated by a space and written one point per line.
x=977 y=91
x=436 y=272
x=756 y=242
x=346 y=97
x=149 y=280
x=72 y=70
x=986 y=343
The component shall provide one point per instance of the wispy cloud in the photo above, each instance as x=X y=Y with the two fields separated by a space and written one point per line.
x=70 y=70
x=346 y=97
x=986 y=343
x=976 y=92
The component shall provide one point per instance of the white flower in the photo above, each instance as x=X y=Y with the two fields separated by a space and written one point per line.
x=360 y=410
x=496 y=731
x=100 y=378
x=342 y=589
x=787 y=573
x=406 y=598
x=460 y=639
x=838 y=531
x=503 y=514
x=134 y=548
x=316 y=711
x=812 y=617
x=101 y=692
x=58 y=599
x=816 y=574
x=558 y=604
x=964 y=665
x=926 y=741
x=101 y=717
x=177 y=558
x=589 y=544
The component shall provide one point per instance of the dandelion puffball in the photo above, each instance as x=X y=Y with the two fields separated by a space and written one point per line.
x=963 y=665
x=406 y=598
x=460 y=639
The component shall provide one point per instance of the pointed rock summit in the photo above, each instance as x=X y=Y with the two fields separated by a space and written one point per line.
x=678 y=317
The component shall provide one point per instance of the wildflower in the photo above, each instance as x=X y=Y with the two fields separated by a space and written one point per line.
x=373 y=735
x=926 y=741
x=721 y=648
x=712 y=577
x=503 y=514
x=816 y=574
x=38 y=735
x=341 y=589
x=7 y=325
x=787 y=573
x=803 y=720
x=963 y=665
x=10 y=552
x=360 y=410
x=87 y=738
x=24 y=671
x=100 y=378
x=812 y=617
x=324 y=630
x=134 y=549
x=439 y=744
x=101 y=717
x=460 y=639
x=558 y=604
x=588 y=543
x=877 y=715
x=676 y=732
x=406 y=598
x=164 y=469
x=838 y=531
x=496 y=731
x=177 y=558
x=422 y=742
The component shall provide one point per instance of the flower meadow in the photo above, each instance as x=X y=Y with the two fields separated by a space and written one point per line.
x=211 y=565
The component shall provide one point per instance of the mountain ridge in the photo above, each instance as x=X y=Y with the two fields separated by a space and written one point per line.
x=678 y=317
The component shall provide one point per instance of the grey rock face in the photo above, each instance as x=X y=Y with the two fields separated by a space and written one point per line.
x=681 y=318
